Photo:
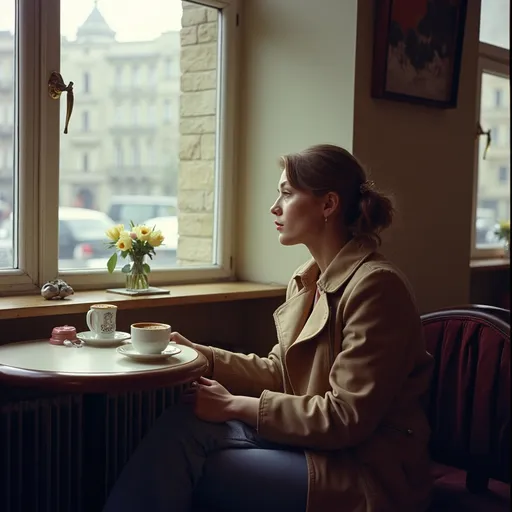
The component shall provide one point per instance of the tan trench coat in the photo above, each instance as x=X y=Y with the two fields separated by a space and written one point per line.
x=345 y=383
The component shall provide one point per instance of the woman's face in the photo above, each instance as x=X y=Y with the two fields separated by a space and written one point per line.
x=299 y=215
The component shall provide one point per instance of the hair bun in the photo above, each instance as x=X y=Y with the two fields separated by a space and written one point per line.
x=366 y=186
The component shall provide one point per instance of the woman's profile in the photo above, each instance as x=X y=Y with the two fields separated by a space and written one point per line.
x=331 y=420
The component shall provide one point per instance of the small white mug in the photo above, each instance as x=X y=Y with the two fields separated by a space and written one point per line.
x=101 y=320
x=150 y=337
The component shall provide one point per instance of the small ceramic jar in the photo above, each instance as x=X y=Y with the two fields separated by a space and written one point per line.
x=63 y=333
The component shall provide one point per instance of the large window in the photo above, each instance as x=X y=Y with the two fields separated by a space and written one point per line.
x=136 y=163
x=492 y=183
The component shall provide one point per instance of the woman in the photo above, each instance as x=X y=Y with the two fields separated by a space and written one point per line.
x=331 y=420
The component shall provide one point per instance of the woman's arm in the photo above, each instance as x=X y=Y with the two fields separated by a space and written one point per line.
x=241 y=374
x=249 y=374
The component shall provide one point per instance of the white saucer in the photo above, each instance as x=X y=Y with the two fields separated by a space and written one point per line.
x=91 y=339
x=129 y=351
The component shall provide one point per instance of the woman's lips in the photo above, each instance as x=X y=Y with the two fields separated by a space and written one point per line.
x=279 y=226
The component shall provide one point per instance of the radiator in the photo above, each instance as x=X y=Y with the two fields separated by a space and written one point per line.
x=64 y=454
x=128 y=417
x=41 y=455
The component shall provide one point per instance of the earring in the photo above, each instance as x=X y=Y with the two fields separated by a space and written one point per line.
x=326 y=219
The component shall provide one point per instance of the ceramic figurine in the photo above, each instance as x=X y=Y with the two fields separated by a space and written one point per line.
x=56 y=289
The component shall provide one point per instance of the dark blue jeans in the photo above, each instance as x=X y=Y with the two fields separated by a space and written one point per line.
x=186 y=464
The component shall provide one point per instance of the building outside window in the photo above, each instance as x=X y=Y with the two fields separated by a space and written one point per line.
x=85 y=121
x=503 y=174
x=87 y=84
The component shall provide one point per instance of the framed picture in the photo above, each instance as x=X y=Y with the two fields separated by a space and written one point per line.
x=417 y=50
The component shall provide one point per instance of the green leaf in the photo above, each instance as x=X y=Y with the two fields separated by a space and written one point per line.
x=112 y=262
x=126 y=268
x=146 y=268
x=132 y=225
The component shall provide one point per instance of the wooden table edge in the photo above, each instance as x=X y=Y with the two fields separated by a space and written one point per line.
x=104 y=382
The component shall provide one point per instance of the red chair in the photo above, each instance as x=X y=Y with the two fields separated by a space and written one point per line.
x=469 y=408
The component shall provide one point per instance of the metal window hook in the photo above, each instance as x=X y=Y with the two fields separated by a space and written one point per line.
x=56 y=87
x=487 y=133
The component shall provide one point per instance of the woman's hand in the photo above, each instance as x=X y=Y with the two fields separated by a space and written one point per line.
x=207 y=352
x=176 y=337
x=212 y=401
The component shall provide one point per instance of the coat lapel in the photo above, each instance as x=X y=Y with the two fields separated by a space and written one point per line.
x=316 y=320
x=296 y=321
x=292 y=315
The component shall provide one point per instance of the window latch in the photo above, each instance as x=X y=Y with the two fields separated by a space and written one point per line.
x=487 y=133
x=56 y=87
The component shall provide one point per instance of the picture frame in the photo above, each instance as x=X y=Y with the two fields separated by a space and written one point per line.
x=417 y=51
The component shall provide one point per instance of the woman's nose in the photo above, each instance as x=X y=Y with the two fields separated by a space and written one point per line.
x=274 y=209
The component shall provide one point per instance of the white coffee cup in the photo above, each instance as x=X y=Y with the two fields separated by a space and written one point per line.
x=150 y=337
x=101 y=320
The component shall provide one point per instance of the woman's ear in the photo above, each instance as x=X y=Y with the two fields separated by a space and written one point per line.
x=331 y=203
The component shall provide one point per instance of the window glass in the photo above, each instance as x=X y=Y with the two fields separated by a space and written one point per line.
x=153 y=81
x=495 y=23
x=8 y=172
x=493 y=194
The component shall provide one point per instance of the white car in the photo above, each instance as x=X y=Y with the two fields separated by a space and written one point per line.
x=82 y=239
x=166 y=253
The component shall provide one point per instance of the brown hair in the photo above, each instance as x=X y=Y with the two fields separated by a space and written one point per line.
x=326 y=168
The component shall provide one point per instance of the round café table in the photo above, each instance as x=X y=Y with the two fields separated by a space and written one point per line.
x=39 y=364
x=96 y=374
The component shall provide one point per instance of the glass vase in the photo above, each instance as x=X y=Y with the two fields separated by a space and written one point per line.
x=136 y=278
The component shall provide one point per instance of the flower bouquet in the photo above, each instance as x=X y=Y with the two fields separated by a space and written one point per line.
x=136 y=243
x=503 y=233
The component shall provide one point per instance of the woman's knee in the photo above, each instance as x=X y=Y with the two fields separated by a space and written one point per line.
x=256 y=479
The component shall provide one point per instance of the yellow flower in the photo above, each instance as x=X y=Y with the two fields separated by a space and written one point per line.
x=142 y=232
x=125 y=242
x=115 y=232
x=156 y=238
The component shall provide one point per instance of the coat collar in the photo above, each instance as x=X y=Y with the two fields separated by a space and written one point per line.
x=339 y=270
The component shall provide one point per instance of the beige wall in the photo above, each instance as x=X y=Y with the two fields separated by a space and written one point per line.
x=425 y=157
x=299 y=89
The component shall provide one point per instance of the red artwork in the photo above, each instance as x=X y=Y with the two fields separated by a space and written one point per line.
x=417 y=49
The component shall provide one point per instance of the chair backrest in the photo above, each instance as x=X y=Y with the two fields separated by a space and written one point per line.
x=469 y=407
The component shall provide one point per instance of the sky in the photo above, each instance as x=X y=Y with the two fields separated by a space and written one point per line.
x=139 y=20
x=495 y=22
x=132 y=20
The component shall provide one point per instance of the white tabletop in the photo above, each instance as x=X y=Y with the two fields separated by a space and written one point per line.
x=40 y=355
x=38 y=362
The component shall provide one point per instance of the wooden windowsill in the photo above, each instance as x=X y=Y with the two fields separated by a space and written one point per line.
x=490 y=264
x=28 y=306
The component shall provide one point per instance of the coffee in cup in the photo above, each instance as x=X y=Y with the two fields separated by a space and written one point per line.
x=101 y=320
x=150 y=337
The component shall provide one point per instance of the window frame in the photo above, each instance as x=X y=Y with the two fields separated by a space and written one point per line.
x=37 y=154
x=491 y=60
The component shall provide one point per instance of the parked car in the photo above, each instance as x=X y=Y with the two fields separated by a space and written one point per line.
x=82 y=239
x=484 y=232
x=124 y=209
x=166 y=253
